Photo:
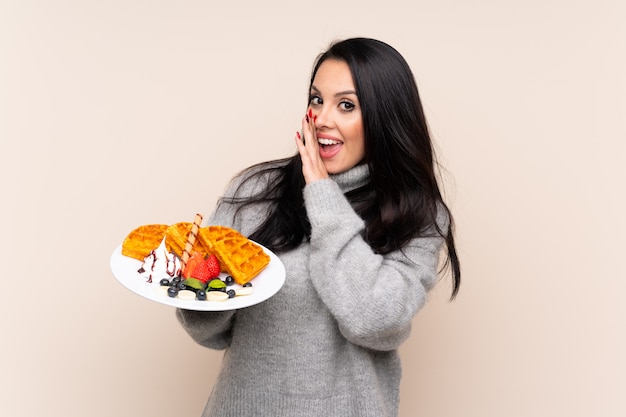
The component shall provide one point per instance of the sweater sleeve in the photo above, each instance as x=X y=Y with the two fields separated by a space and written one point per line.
x=207 y=328
x=373 y=297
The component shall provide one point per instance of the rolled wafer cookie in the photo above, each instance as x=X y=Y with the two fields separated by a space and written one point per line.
x=191 y=239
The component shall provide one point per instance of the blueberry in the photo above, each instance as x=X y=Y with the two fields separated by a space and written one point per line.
x=181 y=286
x=229 y=280
x=172 y=291
x=201 y=295
x=231 y=293
x=164 y=282
x=247 y=284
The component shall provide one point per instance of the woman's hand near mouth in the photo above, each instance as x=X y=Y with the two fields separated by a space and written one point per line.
x=313 y=167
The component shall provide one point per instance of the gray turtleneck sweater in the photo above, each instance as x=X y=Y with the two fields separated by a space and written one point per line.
x=326 y=344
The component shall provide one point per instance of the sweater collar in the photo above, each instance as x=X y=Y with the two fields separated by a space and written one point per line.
x=353 y=178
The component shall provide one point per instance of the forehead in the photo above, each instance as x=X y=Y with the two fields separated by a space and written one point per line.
x=333 y=76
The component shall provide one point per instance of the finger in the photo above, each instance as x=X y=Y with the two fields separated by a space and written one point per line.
x=299 y=141
x=308 y=129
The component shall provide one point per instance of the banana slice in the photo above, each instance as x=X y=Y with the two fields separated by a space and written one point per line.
x=186 y=295
x=243 y=291
x=216 y=296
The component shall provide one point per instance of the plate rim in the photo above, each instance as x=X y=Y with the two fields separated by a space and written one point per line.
x=151 y=292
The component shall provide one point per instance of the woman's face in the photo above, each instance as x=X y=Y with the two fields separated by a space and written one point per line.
x=337 y=115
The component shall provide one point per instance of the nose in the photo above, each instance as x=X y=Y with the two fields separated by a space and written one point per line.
x=322 y=117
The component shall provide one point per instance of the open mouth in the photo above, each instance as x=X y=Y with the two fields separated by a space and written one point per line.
x=329 y=147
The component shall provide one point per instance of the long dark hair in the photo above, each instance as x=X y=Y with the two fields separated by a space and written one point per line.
x=402 y=198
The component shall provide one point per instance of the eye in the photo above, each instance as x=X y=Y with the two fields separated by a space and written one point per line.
x=315 y=100
x=347 y=105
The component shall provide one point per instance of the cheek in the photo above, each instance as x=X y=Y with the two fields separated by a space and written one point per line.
x=355 y=133
x=357 y=138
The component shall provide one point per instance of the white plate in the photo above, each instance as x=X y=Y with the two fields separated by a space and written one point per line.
x=265 y=285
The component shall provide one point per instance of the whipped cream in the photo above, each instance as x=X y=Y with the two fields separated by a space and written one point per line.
x=159 y=264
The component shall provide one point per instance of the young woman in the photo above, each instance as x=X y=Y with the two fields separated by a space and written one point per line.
x=358 y=220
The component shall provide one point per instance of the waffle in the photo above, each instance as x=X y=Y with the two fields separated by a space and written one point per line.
x=142 y=240
x=176 y=238
x=239 y=257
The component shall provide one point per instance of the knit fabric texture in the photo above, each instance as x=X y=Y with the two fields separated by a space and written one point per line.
x=326 y=344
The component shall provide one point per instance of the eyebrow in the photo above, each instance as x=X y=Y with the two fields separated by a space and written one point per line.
x=340 y=93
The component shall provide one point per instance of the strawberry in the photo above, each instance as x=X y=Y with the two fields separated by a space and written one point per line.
x=194 y=260
x=206 y=270
x=214 y=265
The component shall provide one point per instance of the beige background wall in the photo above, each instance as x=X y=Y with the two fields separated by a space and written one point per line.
x=119 y=113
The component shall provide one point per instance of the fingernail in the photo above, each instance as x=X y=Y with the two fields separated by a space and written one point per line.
x=298 y=135
x=310 y=113
x=307 y=118
x=315 y=118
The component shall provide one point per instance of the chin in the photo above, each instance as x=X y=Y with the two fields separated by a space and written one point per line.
x=332 y=169
x=335 y=168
